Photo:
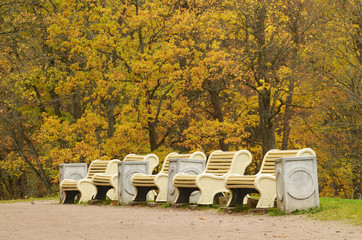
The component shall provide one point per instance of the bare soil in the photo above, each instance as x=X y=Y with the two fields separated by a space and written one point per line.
x=51 y=220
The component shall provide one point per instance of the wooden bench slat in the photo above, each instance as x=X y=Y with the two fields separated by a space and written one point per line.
x=241 y=185
x=244 y=178
x=144 y=178
x=221 y=164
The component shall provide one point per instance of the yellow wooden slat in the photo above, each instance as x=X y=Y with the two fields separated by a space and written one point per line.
x=144 y=177
x=217 y=170
x=143 y=184
x=223 y=154
x=185 y=185
x=221 y=164
x=180 y=156
x=232 y=183
x=186 y=177
x=142 y=180
x=241 y=186
x=243 y=177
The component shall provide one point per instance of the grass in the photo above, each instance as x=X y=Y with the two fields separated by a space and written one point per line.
x=349 y=210
x=335 y=209
x=165 y=205
x=30 y=199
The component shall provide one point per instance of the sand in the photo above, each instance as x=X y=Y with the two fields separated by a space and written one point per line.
x=51 y=220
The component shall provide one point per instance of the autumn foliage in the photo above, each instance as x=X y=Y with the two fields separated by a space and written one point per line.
x=89 y=79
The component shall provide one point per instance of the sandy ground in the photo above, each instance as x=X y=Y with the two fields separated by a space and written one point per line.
x=50 y=220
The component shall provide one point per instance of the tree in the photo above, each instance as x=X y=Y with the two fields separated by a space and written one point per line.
x=22 y=40
x=339 y=123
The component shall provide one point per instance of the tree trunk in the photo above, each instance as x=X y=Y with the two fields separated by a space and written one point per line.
x=287 y=116
x=77 y=106
x=55 y=103
x=267 y=129
x=40 y=171
x=111 y=122
x=295 y=16
x=218 y=115
x=152 y=135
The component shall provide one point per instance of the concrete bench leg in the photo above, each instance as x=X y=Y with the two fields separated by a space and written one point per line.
x=161 y=183
x=87 y=190
x=209 y=187
x=267 y=190
x=112 y=194
x=195 y=197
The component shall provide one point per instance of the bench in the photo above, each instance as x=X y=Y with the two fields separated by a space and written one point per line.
x=85 y=187
x=107 y=183
x=145 y=183
x=211 y=182
x=263 y=182
x=74 y=171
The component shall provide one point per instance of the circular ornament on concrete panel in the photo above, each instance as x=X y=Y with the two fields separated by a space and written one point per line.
x=191 y=171
x=300 y=183
x=74 y=176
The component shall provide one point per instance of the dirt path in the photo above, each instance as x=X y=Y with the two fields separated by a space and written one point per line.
x=50 y=220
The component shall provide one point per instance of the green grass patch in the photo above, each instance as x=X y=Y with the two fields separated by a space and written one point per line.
x=204 y=207
x=339 y=209
x=241 y=209
x=308 y=211
x=30 y=199
x=275 y=212
x=346 y=210
x=165 y=205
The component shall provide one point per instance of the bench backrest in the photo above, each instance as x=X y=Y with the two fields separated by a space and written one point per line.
x=152 y=159
x=226 y=162
x=268 y=164
x=196 y=155
x=102 y=166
